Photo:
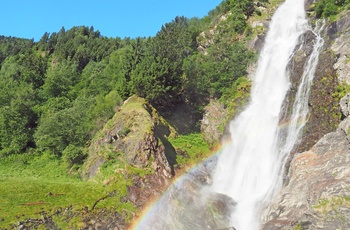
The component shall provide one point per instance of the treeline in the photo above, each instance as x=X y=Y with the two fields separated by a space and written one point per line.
x=57 y=92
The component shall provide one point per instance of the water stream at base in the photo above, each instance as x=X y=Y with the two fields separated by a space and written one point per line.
x=249 y=170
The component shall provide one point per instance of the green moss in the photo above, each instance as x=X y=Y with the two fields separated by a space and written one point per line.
x=326 y=206
x=138 y=171
x=298 y=227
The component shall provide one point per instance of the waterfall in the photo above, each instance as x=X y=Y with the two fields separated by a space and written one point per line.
x=250 y=169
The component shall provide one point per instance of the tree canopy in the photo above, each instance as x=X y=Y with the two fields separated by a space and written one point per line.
x=55 y=93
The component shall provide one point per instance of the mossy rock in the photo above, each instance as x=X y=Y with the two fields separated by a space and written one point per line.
x=134 y=134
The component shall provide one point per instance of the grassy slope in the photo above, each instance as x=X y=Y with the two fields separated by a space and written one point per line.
x=32 y=184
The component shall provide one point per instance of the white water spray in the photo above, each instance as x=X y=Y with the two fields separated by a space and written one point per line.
x=249 y=170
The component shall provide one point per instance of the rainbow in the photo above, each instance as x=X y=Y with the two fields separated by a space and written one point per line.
x=153 y=206
x=150 y=210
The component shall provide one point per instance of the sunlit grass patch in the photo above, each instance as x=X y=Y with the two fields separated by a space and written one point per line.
x=30 y=185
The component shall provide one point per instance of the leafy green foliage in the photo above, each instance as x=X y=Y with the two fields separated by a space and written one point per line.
x=341 y=90
x=67 y=126
x=60 y=79
x=73 y=155
x=327 y=8
x=10 y=46
x=213 y=74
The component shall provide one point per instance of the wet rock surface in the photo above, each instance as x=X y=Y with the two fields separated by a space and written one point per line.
x=324 y=112
x=316 y=194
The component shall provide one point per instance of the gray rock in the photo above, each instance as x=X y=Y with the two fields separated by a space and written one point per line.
x=345 y=105
x=344 y=126
x=215 y=116
x=317 y=196
x=341 y=47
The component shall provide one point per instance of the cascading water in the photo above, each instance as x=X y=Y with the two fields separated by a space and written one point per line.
x=249 y=170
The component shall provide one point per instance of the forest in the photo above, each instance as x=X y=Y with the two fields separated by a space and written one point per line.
x=55 y=93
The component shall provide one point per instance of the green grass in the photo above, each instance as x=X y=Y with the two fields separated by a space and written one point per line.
x=30 y=184
x=192 y=144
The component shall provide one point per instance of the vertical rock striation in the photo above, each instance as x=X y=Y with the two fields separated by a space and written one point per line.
x=317 y=192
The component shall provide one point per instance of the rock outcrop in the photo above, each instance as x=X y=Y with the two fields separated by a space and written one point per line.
x=318 y=193
x=324 y=112
x=137 y=132
x=214 y=120
x=135 y=144
x=340 y=34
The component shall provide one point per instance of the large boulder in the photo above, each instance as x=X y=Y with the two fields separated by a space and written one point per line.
x=137 y=133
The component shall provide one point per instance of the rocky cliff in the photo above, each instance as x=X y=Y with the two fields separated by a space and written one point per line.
x=316 y=193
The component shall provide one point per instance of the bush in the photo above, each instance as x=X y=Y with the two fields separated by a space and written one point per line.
x=73 y=155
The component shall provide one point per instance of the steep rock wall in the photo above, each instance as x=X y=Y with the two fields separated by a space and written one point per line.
x=317 y=192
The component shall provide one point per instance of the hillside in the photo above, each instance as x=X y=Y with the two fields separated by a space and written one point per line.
x=92 y=129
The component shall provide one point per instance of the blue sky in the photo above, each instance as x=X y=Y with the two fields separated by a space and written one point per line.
x=122 y=18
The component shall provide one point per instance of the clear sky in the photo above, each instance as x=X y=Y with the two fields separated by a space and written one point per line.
x=122 y=18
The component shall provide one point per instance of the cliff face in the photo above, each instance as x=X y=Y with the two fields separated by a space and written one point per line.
x=316 y=194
